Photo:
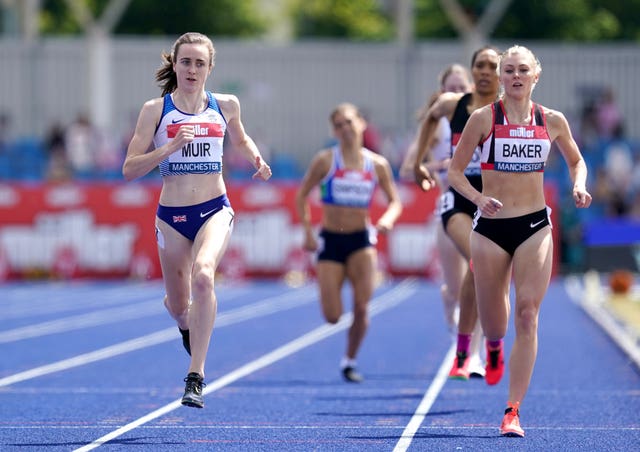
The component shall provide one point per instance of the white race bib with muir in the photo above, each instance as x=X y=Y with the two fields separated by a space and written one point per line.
x=204 y=154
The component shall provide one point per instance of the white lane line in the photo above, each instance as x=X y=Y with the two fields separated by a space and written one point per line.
x=590 y=297
x=433 y=428
x=53 y=297
x=426 y=403
x=378 y=305
x=262 y=308
x=80 y=321
x=116 y=315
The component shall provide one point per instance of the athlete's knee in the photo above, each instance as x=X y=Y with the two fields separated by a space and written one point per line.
x=177 y=308
x=332 y=317
x=360 y=313
x=202 y=277
x=447 y=295
x=527 y=319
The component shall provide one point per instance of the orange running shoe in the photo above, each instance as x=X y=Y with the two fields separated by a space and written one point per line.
x=460 y=368
x=495 y=366
x=511 y=421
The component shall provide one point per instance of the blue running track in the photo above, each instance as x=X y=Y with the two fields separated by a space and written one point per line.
x=99 y=365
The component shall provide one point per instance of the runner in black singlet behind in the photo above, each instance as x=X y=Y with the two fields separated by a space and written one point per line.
x=456 y=211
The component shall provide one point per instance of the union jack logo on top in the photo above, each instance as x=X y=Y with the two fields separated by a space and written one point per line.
x=179 y=218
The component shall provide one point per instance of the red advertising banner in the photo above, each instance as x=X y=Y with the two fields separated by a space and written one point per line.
x=78 y=230
x=107 y=230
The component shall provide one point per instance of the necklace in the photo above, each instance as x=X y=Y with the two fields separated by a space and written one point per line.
x=183 y=105
x=516 y=117
x=525 y=120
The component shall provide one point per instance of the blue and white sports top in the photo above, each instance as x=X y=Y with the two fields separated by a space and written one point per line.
x=346 y=187
x=204 y=154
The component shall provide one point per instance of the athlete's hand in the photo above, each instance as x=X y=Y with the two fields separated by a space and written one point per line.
x=488 y=206
x=310 y=243
x=263 y=171
x=185 y=135
x=423 y=177
x=581 y=197
x=383 y=226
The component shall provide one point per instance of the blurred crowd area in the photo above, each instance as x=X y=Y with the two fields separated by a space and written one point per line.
x=78 y=151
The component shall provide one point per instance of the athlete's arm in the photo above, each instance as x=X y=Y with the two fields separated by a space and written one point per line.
x=560 y=132
x=475 y=131
x=318 y=169
x=443 y=106
x=238 y=137
x=385 y=180
x=138 y=161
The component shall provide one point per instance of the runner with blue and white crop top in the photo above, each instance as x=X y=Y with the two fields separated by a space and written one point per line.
x=182 y=132
x=347 y=175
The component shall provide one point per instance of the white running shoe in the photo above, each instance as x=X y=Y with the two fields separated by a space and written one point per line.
x=476 y=366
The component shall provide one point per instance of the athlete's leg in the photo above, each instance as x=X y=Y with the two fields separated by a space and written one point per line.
x=330 y=276
x=459 y=228
x=361 y=267
x=453 y=267
x=532 y=263
x=174 y=251
x=492 y=275
x=208 y=249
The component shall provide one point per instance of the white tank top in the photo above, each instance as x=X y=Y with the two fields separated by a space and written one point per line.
x=204 y=154
x=442 y=150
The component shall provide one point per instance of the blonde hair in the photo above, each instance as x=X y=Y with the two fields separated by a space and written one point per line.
x=452 y=68
x=522 y=50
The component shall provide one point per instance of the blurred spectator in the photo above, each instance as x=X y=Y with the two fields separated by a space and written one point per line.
x=371 y=138
x=109 y=156
x=587 y=134
x=5 y=124
x=634 y=195
x=617 y=170
x=602 y=192
x=58 y=167
x=607 y=114
x=81 y=145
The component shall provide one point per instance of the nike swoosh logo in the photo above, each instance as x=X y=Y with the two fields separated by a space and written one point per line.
x=204 y=214
x=533 y=225
x=176 y=121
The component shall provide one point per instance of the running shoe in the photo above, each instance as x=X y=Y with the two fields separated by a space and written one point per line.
x=351 y=375
x=476 y=366
x=495 y=366
x=193 y=391
x=185 y=340
x=460 y=368
x=511 y=421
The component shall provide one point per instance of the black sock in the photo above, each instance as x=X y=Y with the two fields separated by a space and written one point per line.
x=185 y=340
